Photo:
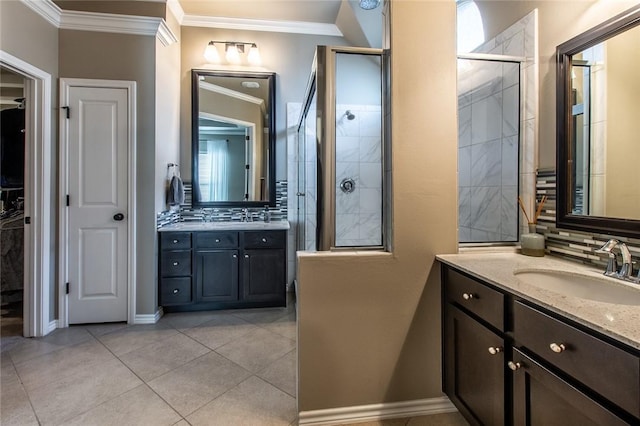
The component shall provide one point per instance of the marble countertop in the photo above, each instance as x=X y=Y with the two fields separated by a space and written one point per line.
x=620 y=322
x=226 y=226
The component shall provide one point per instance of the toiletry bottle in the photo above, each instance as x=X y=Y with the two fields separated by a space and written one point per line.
x=267 y=214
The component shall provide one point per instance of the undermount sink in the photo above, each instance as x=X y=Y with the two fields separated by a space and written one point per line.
x=599 y=289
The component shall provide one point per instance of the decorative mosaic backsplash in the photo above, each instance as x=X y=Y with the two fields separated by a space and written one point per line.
x=574 y=245
x=186 y=213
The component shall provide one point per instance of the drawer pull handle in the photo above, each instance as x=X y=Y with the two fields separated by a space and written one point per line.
x=176 y=291
x=557 y=348
x=246 y=256
x=176 y=241
x=235 y=256
x=217 y=240
x=264 y=240
x=494 y=350
x=514 y=365
x=176 y=263
x=467 y=296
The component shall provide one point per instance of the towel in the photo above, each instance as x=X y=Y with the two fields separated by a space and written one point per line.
x=176 y=191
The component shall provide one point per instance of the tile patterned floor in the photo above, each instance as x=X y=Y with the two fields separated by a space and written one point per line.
x=199 y=368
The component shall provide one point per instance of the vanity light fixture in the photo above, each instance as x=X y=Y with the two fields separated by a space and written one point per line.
x=369 y=4
x=233 y=51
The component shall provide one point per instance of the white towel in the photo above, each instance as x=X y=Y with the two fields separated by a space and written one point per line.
x=176 y=191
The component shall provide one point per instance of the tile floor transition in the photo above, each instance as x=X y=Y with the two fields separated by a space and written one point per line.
x=200 y=368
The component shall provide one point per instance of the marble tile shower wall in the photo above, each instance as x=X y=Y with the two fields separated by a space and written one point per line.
x=359 y=159
x=573 y=245
x=498 y=138
x=186 y=213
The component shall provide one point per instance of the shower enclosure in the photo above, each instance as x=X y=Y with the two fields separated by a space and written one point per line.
x=341 y=173
x=489 y=127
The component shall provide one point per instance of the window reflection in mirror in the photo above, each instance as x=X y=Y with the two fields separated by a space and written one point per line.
x=233 y=135
x=605 y=110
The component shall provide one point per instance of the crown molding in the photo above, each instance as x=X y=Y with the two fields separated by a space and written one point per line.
x=296 y=27
x=176 y=8
x=46 y=9
x=102 y=22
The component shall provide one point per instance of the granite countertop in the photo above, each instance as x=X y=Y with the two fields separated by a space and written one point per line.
x=276 y=225
x=620 y=322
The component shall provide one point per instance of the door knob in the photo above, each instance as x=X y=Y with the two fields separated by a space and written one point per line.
x=514 y=366
x=118 y=217
x=494 y=350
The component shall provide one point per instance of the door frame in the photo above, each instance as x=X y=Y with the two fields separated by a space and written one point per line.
x=38 y=186
x=65 y=85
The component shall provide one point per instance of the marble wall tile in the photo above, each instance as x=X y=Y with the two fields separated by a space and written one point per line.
x=464 y=166
x=486 y=209
x=371 y=175
x=509 y=213
x=511 y=74
x=347 y=149
x=511 y=111
x=486 y=119
x=370 y=149
x=464 y=206
x=347 y=203
x=486 y=79
x=346 y=127
x=486 y=163
x=370 y=200
x=464 y=126
x=350 y=170
x=514 y=45
x=370 y=123
x=347 y=227
x=510 y=160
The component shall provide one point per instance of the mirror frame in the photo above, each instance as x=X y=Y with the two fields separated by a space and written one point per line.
x=271 y=161
x=564 y=53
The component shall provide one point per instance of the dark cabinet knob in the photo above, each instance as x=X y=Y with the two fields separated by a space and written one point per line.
x=264 y=240
x=176 y=291
x=176 y=263
x=118 y=217
x=176 y=241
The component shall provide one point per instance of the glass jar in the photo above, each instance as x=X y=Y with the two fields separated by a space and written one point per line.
x=532 y=243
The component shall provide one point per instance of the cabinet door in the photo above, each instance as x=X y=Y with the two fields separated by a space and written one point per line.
x=263 y=275
x=540 y=398
x=216 y=275
x=474 y=368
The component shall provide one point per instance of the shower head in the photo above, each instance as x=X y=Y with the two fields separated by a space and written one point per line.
x=349 y=115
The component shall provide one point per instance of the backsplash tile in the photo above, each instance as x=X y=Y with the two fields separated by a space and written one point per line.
x=574 y=245
x=186 y=213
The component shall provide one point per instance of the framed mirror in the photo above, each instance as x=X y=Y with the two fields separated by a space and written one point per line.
x=233 y=138
x=598 y=110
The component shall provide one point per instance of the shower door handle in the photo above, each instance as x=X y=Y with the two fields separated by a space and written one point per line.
x=300 y=194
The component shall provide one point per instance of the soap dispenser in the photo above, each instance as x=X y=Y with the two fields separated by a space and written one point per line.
x=267 y=214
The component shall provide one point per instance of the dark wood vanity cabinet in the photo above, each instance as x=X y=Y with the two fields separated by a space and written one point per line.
x=226 y=269
x=552 y=371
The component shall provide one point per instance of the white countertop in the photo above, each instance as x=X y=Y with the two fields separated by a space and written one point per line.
x=226 y=226
x=621 y=322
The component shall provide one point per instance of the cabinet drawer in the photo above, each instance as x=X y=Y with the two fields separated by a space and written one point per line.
x=216 y=239
x=476 y=297
x=175 y=240
x=175 y=263
x=608 y=370
x=175 y=291
x=264 y=239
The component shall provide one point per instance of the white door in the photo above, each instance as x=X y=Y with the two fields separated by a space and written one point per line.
x=97 y=152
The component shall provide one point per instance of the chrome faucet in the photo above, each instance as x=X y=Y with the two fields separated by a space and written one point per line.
x=246 y=216
x=626 y=270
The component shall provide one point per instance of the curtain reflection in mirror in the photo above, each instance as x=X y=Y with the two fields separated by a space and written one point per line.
x=213 y=171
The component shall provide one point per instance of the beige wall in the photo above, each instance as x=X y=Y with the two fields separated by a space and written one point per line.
x=369 y=323
x=558 y=21
x=288 y=55
x=86 y=54
x=30 y=38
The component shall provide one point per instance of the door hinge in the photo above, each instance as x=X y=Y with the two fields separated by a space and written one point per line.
x=67 y=200
x=67 y=109
x=67 y=288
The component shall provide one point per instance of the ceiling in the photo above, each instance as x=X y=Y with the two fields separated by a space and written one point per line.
x=320 y=11
x=326 y=17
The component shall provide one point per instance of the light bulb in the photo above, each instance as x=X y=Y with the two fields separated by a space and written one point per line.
x=233 y=56
x=211 y=53
x=254 y=55
x=369 y=4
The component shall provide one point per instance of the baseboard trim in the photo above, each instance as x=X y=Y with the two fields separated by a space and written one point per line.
x=372 y=412
x=52 y=326
x=149 y=318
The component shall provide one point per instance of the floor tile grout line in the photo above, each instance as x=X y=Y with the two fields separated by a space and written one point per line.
x=33 y=409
